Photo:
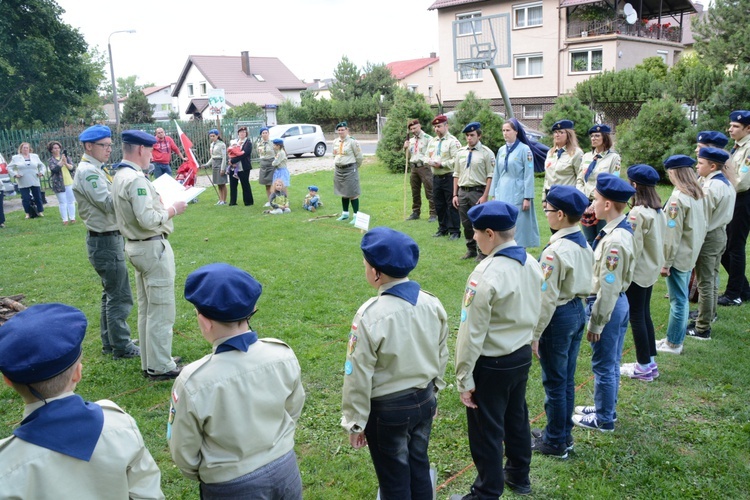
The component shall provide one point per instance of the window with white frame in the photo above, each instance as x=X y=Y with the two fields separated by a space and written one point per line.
x=663 y=54
x=429 y=91
x=469 y=27
x=527 y=15
x=190 y=90
x=533 y=111
x=204 y=90
x=586 y=60
x=412 y=87
x=528 y=65
x=429 y=70
x=469 y=74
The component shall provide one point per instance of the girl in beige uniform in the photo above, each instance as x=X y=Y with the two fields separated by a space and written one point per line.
x=563 y=158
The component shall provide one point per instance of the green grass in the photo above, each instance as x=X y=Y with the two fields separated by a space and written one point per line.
x=685 y=435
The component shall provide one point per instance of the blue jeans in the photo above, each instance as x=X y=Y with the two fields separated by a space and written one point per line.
x=605 y=360
x=677 y=285
x=26 y=201
x=558 y=354
x=161 y=169
x=398 y=432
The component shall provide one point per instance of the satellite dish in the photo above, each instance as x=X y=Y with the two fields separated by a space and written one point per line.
x=630 y=14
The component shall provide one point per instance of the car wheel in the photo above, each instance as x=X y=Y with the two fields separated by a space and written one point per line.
x=320 y=149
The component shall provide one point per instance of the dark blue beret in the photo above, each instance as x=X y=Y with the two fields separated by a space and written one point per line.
x=262 y=129
x=568 y=199
x=740 y=116
x=495 y=215
x=600 y=129
x=280 y=142
x=712 y=137
x=642 y=174
x=139 y=138
x=390 y=252
x=213 y=131
x=678 y=161
x=41 y=342
x=342 y=124
x=222 y=292
x=472 y=127
x=93 y=134
x=613 y=188
x=312 y=188
x=715 y=155
x=562 y=124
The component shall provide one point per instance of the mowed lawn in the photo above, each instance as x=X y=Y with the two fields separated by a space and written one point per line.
x=685 y=435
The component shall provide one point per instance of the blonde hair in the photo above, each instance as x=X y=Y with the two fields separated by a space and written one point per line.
x=684 y=180
x=48 y=388
x=571 y=145
x=20 y=147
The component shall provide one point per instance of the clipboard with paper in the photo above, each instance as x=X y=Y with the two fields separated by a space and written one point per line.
x=171 y=191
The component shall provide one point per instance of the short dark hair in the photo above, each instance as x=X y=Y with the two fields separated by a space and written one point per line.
x=51 y=144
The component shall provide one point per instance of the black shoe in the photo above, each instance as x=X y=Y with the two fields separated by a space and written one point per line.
x=470 y=496
x=433 y=218
x=692 y=332
x=166 y=375
x=537 y=433
x=518 y=489
x=694 y=316
x=539 y=446
x=107 y=351
x=132 y=351
x=439 y=234
x=413 y=216
x=469 y=255
x=454 y=236
x=726 y=301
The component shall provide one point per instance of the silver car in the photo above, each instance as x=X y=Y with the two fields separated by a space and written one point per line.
x=300 y=138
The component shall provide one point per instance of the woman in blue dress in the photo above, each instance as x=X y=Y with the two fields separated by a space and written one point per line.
x=513 y=181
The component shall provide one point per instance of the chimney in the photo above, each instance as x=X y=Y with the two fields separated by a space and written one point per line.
x=433 y=55
x=246 y=62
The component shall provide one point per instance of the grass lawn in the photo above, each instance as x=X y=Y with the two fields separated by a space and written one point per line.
x=686 y=435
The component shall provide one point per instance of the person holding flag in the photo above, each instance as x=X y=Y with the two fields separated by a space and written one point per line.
x=163 y=149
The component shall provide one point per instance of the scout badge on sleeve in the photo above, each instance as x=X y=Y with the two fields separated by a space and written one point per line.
x=672 y=211
x=470 y=293
x=613 y=259
x=633 y=222
x=547 y=269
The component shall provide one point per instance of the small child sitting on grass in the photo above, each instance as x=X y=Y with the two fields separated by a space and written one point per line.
x=312 y=199
x=279 y=199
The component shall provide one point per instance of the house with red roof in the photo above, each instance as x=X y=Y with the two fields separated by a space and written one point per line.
x=419 y=75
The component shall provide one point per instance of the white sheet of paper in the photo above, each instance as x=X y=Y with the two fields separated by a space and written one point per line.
x=170 y=190
x=362 y=222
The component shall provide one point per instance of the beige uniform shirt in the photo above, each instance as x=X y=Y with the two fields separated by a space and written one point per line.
x=236 y=411
x=686 y=229
x=93 y=192
x=393 y=346
x=609 y=163
x=441 y=154
x=741 y=161
x=481 y=168
x=649 y=229
x=719 y=199
x=563 y=170
x=218 y=151
x=265 y=150
x=140 y=212
x=347 y=151
x=567 y=269
x=500 y=309
x=121 y=466
x=614 y=264
x=418 y=148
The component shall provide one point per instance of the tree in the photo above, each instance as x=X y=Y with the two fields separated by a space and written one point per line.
x=246 y=111
x=691 y=81
x=137 y=109
x=472 y=109
x=406 y=106
x=655 y=66
x=128 y=85
x=721 y=34
x=377 y=80
x=346 y=76
x=733 y=93
x=569 y=108
x=44 y=67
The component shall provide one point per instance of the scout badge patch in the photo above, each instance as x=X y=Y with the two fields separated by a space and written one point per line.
x=352 y=344
x=672 y=212
x=632 y=220
x=547 y=267
x=470 y=293
x=613 y=259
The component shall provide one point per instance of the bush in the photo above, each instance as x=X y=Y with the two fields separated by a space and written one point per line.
x=732 y=94
x=569 y=108
x=407 y=106
x=472 y=109
x=658 y=131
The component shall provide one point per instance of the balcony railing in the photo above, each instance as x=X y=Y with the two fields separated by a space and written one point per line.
x=578 y=29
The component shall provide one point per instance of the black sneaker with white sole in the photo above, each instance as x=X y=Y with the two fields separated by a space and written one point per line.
x=696 y=334
x=539 y=446
x=537 y=433
x=726 y=301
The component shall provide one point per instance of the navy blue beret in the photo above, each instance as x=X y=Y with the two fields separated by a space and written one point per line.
x=712 y=137
x=472 y=127
x=740 y=116
x=390 y=252
x=263 y=129
x=642 y=174
x=715 y=155
x=342 y=124
x=41 y=342
x=568 y=199
x=562 y=124
x=599 y=129
x=678 y=161
x=213 y=131
x=139 y=138
x=495 y=215
x=280 y=142
x=312 y=188
x=613 y=188
x=222 y=292
x=94 y=133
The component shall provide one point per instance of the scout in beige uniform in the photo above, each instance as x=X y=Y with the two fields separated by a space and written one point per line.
x=106 y=249
x=567 y=263
x=608 y=307
x=563 y=161
x=347 y=158
x=395 y=364
x=266 y=155
x=734 y=258
x=65 y=447
x=472 y=177
x=420 y=171
x=234 y=411
x=501 y=307
x=145 y=223
x=720 y=198
x=441 y=153
x=686 y=229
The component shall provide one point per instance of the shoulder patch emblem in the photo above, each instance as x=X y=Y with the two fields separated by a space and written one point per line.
x=348 y=368
x=352 y=344
x=613 y=259
x=673 y=210
x=547 y=270
x=632 y=220
x=141 y=191
x=469 y=296
x=529 y=156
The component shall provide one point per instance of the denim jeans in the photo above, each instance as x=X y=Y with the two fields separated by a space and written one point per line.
x=558 y=354
x=398 y=432
x=605 y=360
x=26 y=199
x=161 y=169
x=677 y=285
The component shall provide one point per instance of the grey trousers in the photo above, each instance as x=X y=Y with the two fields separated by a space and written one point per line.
x=276 y=480
x=706 y=270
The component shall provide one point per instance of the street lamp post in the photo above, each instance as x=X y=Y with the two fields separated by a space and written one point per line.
x=112 y=71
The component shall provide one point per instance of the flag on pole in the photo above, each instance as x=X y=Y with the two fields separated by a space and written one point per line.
x=187 y=145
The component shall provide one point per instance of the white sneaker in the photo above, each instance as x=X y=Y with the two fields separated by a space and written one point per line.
x=664 y=346
x=268 y=204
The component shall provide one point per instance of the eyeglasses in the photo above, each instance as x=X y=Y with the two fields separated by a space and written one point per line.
x=104 y=145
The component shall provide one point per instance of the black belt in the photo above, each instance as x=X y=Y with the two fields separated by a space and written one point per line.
x=472 y=188
x=153 y=238
x=94 y=234
x=443 y=175
x=388 y=397
x=347 y=165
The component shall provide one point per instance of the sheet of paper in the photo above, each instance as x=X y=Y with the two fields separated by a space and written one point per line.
x=170 y=190
x=362 y=222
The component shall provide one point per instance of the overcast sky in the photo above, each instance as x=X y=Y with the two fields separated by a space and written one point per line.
x=309 y=36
